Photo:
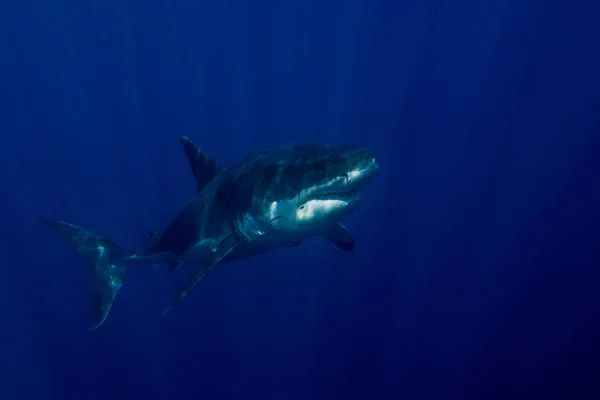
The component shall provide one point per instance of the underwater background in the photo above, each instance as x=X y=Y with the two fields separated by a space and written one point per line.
x=476 y=269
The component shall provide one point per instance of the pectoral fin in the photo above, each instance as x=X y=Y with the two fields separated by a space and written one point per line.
x=173 y=266
x=339 y=235
x=224 y=249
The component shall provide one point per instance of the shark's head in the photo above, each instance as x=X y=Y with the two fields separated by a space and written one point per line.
x=317 y=186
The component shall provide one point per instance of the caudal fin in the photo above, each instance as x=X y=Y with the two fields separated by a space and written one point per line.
x=100 y=253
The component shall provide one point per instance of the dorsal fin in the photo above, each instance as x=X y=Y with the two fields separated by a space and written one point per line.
x=203 y=167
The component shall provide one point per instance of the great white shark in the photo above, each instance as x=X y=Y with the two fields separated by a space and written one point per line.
x=274 y=198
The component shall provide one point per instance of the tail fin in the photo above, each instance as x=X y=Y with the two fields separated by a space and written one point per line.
x=100 y=253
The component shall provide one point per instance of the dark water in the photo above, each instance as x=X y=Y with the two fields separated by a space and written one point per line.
x=476 y=268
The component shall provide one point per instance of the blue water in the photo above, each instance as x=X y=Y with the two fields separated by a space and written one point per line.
x=475 y=273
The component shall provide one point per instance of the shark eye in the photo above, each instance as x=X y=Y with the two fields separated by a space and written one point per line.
x=301 y=207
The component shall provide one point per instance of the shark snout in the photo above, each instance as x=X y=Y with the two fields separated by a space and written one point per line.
x=364 y=170
x=372 y=165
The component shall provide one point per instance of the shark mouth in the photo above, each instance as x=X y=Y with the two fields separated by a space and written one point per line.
x=341 y=196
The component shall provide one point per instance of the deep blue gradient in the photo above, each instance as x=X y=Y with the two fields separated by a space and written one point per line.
x=476 y=271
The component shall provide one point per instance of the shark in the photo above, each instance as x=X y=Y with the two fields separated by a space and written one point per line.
x=273 y=198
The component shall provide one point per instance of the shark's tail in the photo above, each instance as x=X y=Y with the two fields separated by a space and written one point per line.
x=102 y=255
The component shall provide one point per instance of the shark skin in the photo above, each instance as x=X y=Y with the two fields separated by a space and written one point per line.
x=274 y=198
